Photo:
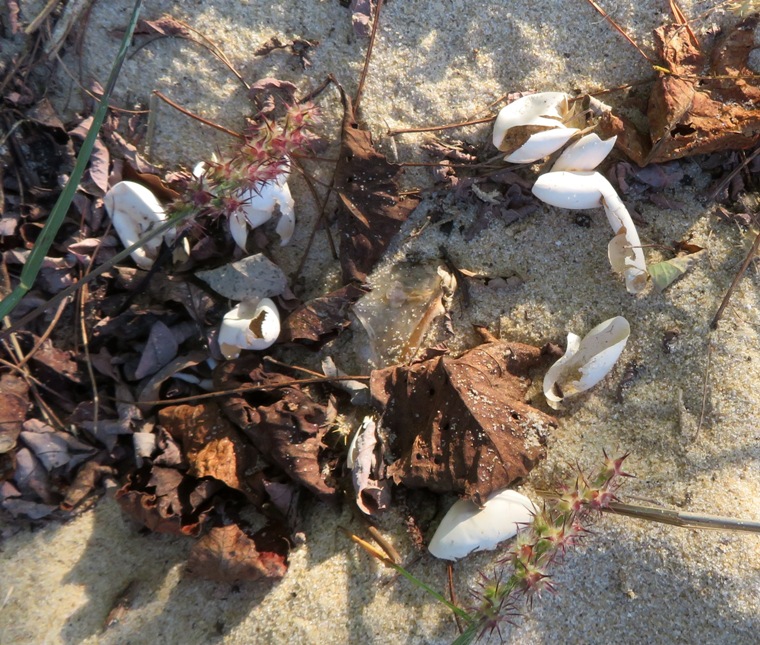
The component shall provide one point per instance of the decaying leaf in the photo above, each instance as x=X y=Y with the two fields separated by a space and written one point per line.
x=228 y=554
x=702 y=103
x=461 y=425
x=164 y=501
x=284 y=424
x=665 y=273
x=370 y=208
x=373 y=492
x=212 y=447
x=14 y=401
x=321 y=319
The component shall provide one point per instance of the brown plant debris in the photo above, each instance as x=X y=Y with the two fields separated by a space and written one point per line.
x=702 y=104
x=461 y=425
x=322 y=318
x=284 y=423
x=229 y=554
x=370 y=208
x=210 y=444
x=14 y=402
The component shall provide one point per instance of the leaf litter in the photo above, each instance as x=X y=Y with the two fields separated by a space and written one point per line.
x=189 y=468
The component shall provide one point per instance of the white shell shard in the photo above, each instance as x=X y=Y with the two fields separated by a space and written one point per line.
x=467 y=528
x=253 y=324
x=587 y=361
x=259 y=206
x=585 y=154
x=541 y=144
x=579 y=190
x=575 y=190
x=134 y=210
x=536 y=124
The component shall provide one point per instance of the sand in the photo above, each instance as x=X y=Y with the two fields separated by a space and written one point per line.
x=632 y=582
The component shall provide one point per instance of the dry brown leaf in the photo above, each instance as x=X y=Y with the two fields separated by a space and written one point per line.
x=165 y=501
x=461 y=425
x=321 y=319
x=370 y=208
x=702 y=105
x=14 y=402
x=211 y=445
x=227 y=554
x=284 y=424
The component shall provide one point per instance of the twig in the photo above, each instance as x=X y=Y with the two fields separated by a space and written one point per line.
x=434 y=128
x=363 y=77
x=46 y=11
x=725 y=181
x=450 y=573
x=252 y=388
x=86 y=346
x=192 y=115
x=735 y=282
x=619 y=29
x=682 y=519
x=45 y=334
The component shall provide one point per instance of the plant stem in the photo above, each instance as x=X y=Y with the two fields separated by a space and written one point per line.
x=61 y=208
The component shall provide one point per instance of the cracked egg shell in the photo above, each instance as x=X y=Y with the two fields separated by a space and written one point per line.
x=253 y=324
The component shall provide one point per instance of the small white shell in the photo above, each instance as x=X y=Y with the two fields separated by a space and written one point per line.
x=585 y=154
x=543 y=110
x=587 y=361
x=467 y=528
x=253 y=324
x=134 y=210
x=578 y=190
x=258 y=208
x=565 y=189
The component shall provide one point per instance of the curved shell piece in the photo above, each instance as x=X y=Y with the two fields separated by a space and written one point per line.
x=585 y=154
x=531 y=127
x=587 y=361
x=541 y=144
x=583 y=189
x=253 y=324
x=467 y=528
x=134 y=210
x=569 y=189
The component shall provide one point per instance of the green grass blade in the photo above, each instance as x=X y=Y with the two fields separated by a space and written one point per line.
x=58 y=214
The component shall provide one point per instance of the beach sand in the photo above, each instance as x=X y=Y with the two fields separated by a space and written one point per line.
x=435 y=63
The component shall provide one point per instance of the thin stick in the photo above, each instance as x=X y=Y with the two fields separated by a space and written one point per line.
x=682 y=519
x=363 y=77
x=46 y=11
x=297 y=368
x=434 y=128
x=619 y=29
x=452 y=595
x=45 y=334
x=252 y=388
x=725 y=181
x=192 y=115
x=86 y=346
x=735 y=282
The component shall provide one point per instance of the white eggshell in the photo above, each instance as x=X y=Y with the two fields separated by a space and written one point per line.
x=541 y=144
x=585 y=154
x=587 y=361
x=134 y=210
x=569 y=189
x=543 y=108
x=624 y=250
x=249 y=325
x=467 y=528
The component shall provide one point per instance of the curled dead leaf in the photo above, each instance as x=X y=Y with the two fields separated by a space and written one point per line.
x=461 y=425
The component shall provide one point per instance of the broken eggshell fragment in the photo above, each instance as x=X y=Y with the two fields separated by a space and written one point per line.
x=258 y=206
x=533 y=127
x=587 y=361
x=580 y=190
x=253 y=324
x=467 y=528
x=133 y=210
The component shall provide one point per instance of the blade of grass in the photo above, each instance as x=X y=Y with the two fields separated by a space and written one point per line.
x=58 y=214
